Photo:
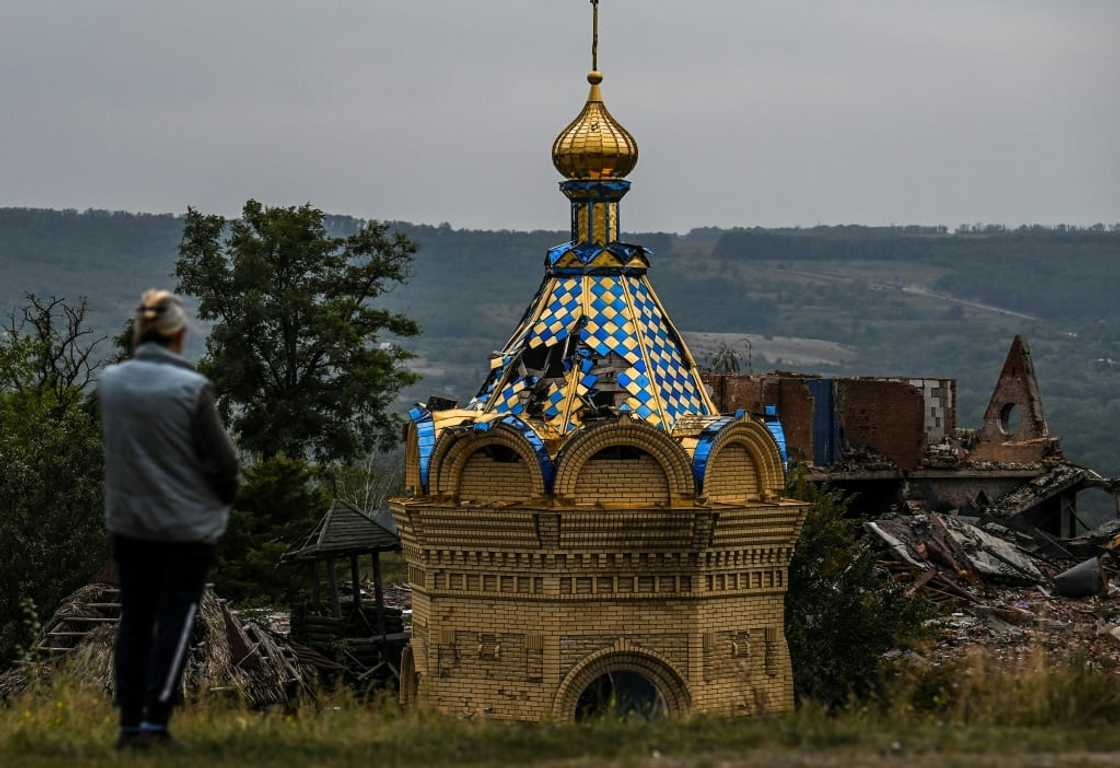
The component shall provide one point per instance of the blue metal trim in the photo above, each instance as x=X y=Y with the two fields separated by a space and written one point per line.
x=556 y=252
x=425 y=441
x=774 y=424
x=586 y=252
x=595 y=190
x=704 y=450
x=548 y=469
x=597 y=271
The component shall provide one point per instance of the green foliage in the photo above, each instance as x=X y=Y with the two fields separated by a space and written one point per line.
x=277 y=505
x=842 y=615
x=51 y=537
x=300 y=356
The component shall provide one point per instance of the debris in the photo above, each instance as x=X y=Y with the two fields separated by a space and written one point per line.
x=991 y=556
x=1082 y=580
x=959 y=550
x=226 y=654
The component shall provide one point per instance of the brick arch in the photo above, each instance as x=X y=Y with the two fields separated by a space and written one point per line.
x=623 y=656
x=765 y=458
x=633 y=434
x=454 y=453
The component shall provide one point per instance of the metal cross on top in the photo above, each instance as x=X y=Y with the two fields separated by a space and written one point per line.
x=595 y=35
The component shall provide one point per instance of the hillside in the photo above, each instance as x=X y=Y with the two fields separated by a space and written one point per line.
x=845 y=300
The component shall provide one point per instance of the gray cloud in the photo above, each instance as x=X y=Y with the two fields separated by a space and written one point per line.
x=747 y=112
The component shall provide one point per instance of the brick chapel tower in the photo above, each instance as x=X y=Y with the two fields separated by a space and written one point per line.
x=589 y=527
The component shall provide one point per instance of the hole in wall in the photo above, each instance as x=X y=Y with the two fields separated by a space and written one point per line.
x=1009 y=419
x=501 y=454
x=620 y=453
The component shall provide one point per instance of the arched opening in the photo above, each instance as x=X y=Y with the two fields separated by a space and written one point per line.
x=622 y=679
x=622 y=474
x=621 y=693
x=1009 y=419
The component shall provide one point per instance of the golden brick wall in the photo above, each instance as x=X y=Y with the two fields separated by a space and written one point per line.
x=485 y=479
x=509 y=656
x=734 y=476
x=521 y=598
x=622 y=481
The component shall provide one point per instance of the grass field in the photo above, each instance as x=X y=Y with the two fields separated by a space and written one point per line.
x=1038 y=716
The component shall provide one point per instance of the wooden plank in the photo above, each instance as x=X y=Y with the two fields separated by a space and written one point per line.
x=89 y=620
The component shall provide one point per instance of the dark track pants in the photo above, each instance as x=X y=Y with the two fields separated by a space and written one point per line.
x=161 y=586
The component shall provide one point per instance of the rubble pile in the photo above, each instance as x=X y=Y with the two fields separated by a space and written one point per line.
x=1009 y=591
x=862 y=459
x=228 y=654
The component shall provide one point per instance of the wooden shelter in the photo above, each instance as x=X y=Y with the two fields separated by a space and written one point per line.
x=367 y=636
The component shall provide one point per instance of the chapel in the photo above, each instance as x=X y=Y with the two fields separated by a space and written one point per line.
x=589 y=531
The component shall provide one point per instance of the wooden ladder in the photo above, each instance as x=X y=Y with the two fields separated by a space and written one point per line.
x=68 y=632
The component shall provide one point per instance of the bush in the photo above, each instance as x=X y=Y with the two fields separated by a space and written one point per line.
x=841 y=614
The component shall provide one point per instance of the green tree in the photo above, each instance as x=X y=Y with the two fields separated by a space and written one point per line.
x=276 y=507
x=841 y=614
x=301 y=358
x=51 y=535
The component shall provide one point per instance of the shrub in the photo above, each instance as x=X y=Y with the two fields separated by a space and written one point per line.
x=841 y=614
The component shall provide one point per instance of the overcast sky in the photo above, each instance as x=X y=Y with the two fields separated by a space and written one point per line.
x=767 y=113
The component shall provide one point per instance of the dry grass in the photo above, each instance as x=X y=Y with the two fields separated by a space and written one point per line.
x=1046 y=714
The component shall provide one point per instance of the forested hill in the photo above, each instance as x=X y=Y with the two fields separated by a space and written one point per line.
x=852 y=299
x=1050 y=271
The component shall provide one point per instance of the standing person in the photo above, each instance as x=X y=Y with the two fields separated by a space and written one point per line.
x=170 y=477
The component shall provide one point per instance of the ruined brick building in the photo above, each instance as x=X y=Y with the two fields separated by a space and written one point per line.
x=589 y=527
x=895 y=442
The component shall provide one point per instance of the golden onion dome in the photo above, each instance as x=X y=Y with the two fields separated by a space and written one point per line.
x=595 y=145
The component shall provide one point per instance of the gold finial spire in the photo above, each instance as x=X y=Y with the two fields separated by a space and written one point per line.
x=595 y=145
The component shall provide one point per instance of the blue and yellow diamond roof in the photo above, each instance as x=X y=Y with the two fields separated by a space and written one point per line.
x=580 y=331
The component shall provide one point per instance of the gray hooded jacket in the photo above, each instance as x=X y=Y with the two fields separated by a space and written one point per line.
x=170 y=468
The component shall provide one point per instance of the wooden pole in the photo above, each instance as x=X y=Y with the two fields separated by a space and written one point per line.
x=355 y=587
x=315 y=596
x=378 y=595
x=332 y=583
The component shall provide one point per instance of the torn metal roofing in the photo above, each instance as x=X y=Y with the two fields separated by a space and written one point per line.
x=595 y=340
